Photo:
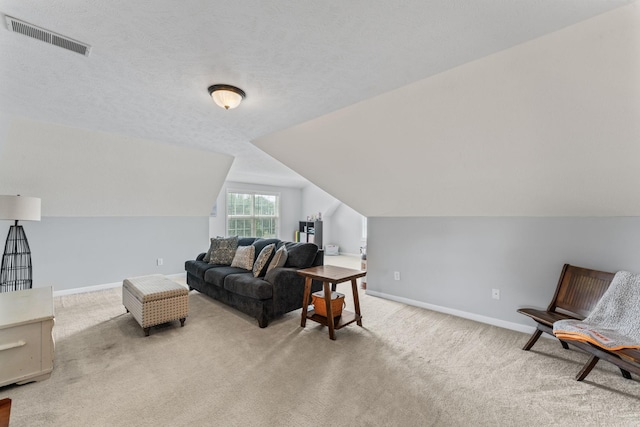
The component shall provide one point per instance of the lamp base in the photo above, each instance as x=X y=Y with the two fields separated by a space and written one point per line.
x=15 y=273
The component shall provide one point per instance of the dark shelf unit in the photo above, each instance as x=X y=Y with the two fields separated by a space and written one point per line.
x=311 y=232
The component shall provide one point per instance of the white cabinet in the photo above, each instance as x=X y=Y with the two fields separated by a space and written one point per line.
x=26 y=335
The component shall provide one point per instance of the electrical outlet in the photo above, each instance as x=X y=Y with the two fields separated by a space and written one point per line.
x=160 y=261
x=396 y=275
x=495 y=293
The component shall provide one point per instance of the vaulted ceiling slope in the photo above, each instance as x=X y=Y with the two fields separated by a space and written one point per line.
x=547 y=128
x=151 y=63
x=81 y=173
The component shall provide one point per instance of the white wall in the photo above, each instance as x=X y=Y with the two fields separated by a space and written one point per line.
x=84 y=173
x=317 y=201
x=290 y=202
x=341 y=225
x=111 y=205
x=346 y=226
x=546 y=128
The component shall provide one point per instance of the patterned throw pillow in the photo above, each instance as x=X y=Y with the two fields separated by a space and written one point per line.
x=244 y=257
x=262 y=260
x=223 y=250
x=278 y=259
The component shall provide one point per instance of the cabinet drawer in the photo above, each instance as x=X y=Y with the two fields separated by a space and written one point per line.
x=20 y=352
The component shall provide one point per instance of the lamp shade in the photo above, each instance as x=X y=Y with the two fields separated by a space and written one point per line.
x=20 y=208
x=226 y=96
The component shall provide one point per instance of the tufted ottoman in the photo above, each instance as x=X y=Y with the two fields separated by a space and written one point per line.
x=154 y=300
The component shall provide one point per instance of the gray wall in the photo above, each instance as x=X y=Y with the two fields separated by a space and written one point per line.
x=69 y=253
x=454 y=262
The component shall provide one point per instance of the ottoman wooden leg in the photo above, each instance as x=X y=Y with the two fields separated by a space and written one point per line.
x=146 y=332
x=182 y=321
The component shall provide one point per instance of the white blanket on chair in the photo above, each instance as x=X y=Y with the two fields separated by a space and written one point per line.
x=614 y=323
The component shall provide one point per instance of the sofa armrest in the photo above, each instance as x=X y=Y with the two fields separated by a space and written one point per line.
x=288 y=289
x=280 y=276
x=201 y=256
x=319 y=259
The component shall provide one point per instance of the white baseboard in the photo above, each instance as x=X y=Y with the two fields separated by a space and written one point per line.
x=342 y=254
x=471 y=316
x=103 y=286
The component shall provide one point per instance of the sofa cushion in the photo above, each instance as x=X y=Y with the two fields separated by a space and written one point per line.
x=215 y=276
x=261 y=243
x=300 y=255
x=197 y=268
x=248 y=286
x=244 y=257
x=262 y=261
x=246 y=241
x=223 y=250
x=207 y=256
x=279 y=258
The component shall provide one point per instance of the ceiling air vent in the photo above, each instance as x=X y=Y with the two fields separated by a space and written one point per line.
x=18 y=26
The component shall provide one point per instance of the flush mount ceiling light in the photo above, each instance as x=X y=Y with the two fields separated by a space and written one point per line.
x=226 y=96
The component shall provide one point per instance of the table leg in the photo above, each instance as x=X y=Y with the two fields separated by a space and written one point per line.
x=356 y=301
x=327 y=300
x=305 y=301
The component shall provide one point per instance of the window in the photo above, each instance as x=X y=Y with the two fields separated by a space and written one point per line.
x=253 y=214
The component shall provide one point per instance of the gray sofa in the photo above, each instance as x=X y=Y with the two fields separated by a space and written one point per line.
x=265 y=298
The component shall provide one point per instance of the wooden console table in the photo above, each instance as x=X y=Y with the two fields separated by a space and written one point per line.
x=331 y=274
x=26 y=340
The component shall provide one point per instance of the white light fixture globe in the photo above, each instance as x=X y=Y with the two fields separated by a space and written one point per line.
x=226 y=96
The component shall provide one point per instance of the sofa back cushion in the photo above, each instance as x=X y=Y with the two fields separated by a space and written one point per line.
x=300 y=255
x=246 y=241
x=207 y=256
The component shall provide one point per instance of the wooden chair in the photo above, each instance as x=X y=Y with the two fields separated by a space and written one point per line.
x=578 y=291
x=627 y=359
x=5 y=412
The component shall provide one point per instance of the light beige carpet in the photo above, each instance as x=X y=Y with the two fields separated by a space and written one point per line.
x=406 y=367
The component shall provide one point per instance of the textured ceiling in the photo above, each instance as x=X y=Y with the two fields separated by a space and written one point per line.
x=151 y=62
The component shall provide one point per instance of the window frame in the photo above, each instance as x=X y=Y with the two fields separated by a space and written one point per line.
x=253 y=217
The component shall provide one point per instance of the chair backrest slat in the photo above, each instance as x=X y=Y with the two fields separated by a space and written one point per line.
x=579 y=290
